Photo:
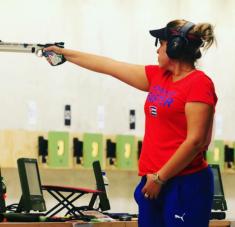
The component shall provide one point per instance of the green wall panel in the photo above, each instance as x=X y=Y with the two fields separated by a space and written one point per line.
x=58 y=149
x=216 y=155
x=126 y=152
x=92 y=149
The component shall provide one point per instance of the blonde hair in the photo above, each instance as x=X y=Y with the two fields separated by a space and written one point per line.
x=204 y=34
x=204 y=31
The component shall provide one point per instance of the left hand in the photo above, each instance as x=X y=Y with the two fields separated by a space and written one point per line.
x=151 y=189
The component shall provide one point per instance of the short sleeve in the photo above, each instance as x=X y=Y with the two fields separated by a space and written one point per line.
x=202 y=90
x=150 y=71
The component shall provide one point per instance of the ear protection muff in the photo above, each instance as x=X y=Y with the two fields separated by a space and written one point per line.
x=177 y=41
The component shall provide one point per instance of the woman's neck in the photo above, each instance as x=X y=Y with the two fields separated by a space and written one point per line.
x=181 y=70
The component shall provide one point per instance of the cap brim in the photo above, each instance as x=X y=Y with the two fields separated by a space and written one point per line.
x=159 y=33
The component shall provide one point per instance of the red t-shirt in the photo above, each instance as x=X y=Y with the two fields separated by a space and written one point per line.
x=165 y=120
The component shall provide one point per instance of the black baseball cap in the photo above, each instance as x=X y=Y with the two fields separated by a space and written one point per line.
x=166 y=33
x=160 y=34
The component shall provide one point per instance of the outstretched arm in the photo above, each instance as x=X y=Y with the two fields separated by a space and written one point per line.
x=131 y=74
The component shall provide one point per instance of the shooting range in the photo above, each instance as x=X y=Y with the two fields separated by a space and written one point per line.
x=66 y=104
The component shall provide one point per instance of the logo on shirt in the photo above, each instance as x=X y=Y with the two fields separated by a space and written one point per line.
x=153 y=110
x=161 y=96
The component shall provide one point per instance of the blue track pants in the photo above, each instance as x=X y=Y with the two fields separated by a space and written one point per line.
x=184 y=201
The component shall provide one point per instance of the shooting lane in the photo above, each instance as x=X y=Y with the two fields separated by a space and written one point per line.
x=62 y=116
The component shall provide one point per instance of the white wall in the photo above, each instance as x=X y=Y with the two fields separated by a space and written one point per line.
x=115 y=28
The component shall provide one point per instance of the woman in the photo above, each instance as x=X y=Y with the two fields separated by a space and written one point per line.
x=176 y=187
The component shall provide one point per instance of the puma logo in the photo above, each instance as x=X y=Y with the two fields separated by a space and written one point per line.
x=180 y=217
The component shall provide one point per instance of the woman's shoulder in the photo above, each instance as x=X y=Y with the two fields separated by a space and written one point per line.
x=150 y=69
x=153 y=71
x=201 y=77
x=202 y=89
